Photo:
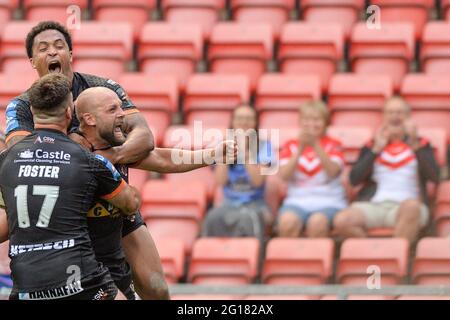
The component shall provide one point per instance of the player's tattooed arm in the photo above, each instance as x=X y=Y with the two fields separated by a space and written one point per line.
x=139 y=143
x=168 y=160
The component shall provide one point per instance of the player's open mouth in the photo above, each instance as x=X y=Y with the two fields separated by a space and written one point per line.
x=54 y=67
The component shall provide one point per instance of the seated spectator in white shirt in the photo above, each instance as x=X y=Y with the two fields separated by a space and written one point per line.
x=394 y=169
x=311 y=165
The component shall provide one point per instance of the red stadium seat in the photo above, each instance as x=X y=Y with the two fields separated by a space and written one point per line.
x=173 y=209
x=134 y=12
x=156 y=98
x=279 y=95
x=6 y=9
x=171 y=253
x=102 y=48
x=442 y=210
x=138 y=178
x=170 y=49
x=298 y=261
x=432 y=262
x=388 y=50
x=240 y=49
x=193 y=137
x=352 y=138
x=435 y=50
x=343 y=12
x=210 y=98
x=438 y=140
x=357 y=100
x=205 y=13
x=408 y=11
x=56 y=10
x=445 y=9
x=390 y=255
x=4 y=259
x=205 y=175
x=13 y=55
x=12 y=86
x=274 y=12
x=311 y=49
x=429 y=98
x=224 y=261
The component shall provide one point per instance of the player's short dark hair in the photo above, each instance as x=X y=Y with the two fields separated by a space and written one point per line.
x=49 y=93
x=42 y=26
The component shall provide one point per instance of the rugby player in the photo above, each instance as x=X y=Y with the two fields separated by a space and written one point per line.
x=48 y=183
x=49 y=47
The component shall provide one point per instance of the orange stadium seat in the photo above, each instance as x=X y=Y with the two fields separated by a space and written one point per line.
x=435 y=50
x=388 y=50
x=13 y=55
x=240 y=49
x=173 y=209
x=352 y=138
x=311 y=49
x=156 y=98
x=210 y=98
x=224 y=261
x=274 y=12
x=171 y=253
x=429 y=98
x=134 y=12
x=102 y=48
x=357 y=100
x=415 y=12
x=4 y=259
x=279 y=96
x=170 y=49
x=389 y=254
x=442 y=209
x=432 y=262
x=343 y=12
x=57 y=10
x=298 y=261
x=205 y=13
x=204 y=175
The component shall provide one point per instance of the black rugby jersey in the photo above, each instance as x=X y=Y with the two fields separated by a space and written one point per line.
x=48 y=183
x=106 y=227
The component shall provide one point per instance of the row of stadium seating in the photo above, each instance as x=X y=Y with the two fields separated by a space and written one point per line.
x=208 y=12
x=236 y=261
x=177 y=49
x=355 y=100
x=174 y=207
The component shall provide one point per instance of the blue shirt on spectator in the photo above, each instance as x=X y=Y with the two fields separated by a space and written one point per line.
x=239 y=189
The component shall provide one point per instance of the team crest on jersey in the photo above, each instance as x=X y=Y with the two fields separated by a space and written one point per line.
x=396 y=155
x=109 y=165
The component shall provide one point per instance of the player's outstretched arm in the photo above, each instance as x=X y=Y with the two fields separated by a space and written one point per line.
x=169 y=160
x=126 y=198
x=139 y=143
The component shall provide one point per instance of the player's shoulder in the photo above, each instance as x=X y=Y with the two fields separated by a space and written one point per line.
x=19 y=101
x=96 y=81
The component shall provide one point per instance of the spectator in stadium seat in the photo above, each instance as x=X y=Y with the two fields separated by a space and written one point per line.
x=394 y=169
x=243 y=211
x=311 y=165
